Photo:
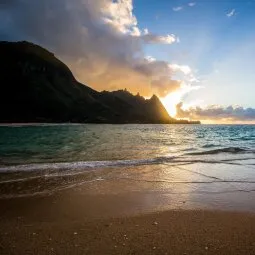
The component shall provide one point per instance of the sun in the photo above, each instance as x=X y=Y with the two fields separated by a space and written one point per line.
x=171 y=100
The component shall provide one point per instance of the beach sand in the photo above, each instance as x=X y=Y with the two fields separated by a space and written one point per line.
x=73 y=222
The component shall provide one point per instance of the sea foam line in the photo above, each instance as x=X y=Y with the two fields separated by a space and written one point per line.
x=88 y=165
x=76 y=165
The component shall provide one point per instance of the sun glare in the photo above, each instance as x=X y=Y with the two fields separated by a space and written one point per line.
x=171 y=100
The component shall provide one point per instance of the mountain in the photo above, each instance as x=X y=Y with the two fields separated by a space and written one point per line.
x=37 y=87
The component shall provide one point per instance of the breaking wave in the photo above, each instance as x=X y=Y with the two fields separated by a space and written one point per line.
x=233 y=150
x=88 y=165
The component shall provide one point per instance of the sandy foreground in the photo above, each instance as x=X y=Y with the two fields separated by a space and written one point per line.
x=67 y=223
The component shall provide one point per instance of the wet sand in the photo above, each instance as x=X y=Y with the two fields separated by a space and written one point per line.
x=73 y=222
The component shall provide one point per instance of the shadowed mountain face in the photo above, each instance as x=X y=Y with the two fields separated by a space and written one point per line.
x=37 y=87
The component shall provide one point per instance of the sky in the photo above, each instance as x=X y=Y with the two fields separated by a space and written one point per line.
x=198 y=55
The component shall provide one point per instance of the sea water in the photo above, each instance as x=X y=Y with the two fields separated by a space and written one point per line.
x=170 y=159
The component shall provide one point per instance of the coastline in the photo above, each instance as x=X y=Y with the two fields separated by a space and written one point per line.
x=76 y=223
x=178 y=122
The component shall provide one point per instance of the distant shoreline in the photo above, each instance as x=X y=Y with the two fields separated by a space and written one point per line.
x=74 y=123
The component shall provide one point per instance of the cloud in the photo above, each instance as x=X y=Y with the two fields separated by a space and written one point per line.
x=191 y=4
x=162 y=85
x=119 y=14
x=99 y=40
x=150 y=59
x=216 y=112
x=168 y=39
x=183 y=68
x=178 y=8
x=231 y=13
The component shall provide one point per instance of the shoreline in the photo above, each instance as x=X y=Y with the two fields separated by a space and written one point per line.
x=95 y=123
x=77 y=123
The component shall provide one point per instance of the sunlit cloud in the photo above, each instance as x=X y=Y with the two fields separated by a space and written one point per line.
x=168 y=39
x=216 y=112
x=231 y=13
x=119 y=14
x=101 y=41
x=178 y=8
x=183 y=68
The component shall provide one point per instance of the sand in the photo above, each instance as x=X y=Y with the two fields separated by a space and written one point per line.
x=67 y=223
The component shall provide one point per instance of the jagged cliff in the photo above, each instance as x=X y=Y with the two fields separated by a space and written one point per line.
x=37 y=87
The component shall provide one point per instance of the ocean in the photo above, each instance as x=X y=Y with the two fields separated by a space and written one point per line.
x=185 y=160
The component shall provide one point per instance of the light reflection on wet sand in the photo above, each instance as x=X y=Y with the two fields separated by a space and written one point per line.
x=146 y=187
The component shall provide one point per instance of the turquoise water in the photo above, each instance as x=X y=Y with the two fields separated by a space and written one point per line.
x=172 y=159
x=72 y=143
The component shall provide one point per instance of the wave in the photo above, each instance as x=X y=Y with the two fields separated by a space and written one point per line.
x=88 y=165
x=210 y=145
x=81 y=165
x=233 y=150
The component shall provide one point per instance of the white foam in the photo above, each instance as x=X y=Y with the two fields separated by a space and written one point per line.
x=74 y=165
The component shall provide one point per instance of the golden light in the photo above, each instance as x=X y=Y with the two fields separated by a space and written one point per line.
x=171 y=100
x=174 y=98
